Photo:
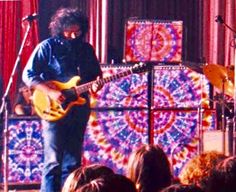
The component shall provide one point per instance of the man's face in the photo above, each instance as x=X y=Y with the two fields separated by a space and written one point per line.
x=72 y=32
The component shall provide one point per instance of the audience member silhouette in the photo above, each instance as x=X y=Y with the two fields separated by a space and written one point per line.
x=109 y=183
x=182 y=188
x=84 y=175
x=223 y=176
x=149 y=169
x=197 y=170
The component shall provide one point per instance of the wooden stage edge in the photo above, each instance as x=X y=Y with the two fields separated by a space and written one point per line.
x=21 y=187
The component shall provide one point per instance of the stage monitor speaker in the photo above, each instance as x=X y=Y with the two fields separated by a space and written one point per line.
x=25 y=150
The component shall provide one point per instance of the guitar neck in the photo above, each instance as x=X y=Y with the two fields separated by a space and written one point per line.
x=85 y=87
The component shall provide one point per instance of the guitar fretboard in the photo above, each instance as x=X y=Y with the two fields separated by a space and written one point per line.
x=85 y=87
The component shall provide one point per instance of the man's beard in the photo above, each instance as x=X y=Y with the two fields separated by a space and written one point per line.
x=74 y=42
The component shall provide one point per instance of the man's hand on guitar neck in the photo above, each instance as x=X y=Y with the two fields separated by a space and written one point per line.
x=96 y=86
x=54 y=94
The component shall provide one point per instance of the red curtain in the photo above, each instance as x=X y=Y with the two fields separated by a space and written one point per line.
x=33 y=36
x=218 y=40
x=98 y=21
x=12 y=30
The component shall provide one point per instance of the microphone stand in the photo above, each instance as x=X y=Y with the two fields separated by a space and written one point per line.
x=200 y=128
x=4 y=108
x=234 y=119
x=220 y=20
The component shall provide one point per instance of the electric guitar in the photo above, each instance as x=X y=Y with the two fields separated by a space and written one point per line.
x=51 y=110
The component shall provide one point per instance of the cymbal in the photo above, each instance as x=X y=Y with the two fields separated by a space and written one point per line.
x=220 y=76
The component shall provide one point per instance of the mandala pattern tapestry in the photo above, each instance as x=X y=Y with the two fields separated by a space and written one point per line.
x=153 y=40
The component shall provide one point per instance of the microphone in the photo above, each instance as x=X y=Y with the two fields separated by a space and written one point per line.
x=219 y=19
x=30 y=17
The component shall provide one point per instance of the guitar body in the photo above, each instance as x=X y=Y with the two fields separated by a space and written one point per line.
x=51 y=110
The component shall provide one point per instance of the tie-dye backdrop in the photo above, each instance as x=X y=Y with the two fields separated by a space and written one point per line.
x=160 y=107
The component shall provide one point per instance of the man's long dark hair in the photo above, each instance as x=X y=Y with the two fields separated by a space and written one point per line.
x=65 y=17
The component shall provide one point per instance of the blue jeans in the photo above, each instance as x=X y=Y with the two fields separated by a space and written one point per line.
x=63 y=141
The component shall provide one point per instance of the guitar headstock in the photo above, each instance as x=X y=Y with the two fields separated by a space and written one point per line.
x=140 y=67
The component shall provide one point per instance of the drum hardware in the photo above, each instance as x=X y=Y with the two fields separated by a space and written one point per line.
x=201 y=130
x=231 y=75
x=223 y=79
x=230 y=136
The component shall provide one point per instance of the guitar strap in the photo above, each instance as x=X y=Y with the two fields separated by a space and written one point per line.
x=78 y=71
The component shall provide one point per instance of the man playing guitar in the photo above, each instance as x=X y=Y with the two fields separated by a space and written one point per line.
x=59 y=58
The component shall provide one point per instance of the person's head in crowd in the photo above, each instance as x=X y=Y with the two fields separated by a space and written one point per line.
x=109 y=183
x=85 y=174
x=149 y=168
x=178 y=187
x=197 y=170
x=223 y=176
x=23 y=104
